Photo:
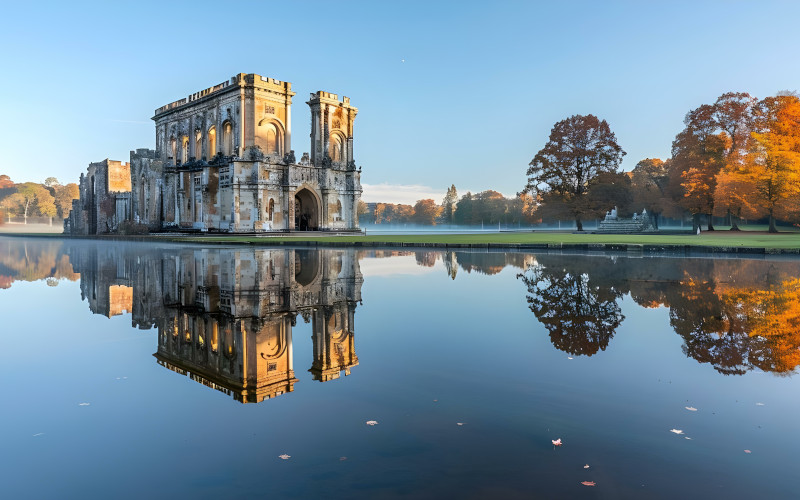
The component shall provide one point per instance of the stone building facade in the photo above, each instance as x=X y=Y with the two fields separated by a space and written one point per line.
x=224 y=162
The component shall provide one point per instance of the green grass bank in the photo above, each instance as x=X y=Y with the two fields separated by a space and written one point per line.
x=712 y=241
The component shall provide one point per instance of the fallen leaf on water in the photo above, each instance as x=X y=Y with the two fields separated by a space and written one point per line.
x=690 y=408
x=342 y=459
x=38 y=434
x=284 y=456
x=84 y=404
x=586 y=466
x=569 y=357
x=588 y=483
x=687 y=437
x=557 y=442
x=676 y=431
x=748 y=451
x=372 y=422
x=759 y=404
x=459 y=423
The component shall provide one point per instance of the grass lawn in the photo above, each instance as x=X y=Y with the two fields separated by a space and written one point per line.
x=758 y=239
x=749 y=237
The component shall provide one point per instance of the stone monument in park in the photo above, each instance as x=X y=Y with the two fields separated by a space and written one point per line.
x=639 y=223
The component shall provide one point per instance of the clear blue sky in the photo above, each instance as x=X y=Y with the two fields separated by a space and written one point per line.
x=448 y=92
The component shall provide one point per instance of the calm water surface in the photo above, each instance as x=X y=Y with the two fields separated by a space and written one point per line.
x=135 y=371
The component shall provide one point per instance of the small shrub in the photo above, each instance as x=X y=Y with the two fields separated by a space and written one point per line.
x=129 y=227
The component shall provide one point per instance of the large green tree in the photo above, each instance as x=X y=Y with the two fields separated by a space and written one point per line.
x=449 y=205
x=579 y=149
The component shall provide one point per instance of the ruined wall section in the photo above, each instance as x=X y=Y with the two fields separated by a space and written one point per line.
x=104 y=198
x=146 y=186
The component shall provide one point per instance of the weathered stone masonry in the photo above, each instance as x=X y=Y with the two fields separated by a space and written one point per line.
x=224 y=162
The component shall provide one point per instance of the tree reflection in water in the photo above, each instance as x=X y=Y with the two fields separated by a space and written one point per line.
x=736 y=315
x=580 y=313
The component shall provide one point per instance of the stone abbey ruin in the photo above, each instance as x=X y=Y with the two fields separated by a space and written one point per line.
x=224 y=162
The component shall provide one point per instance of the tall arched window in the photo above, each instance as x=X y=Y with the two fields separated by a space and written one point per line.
x=173 y=148
x=184 y=149
x=336 y=148
x=272 y=139
x=198 y=144
x=227 y=139
x=269 y=138
x=212 y=142
x=271 y=209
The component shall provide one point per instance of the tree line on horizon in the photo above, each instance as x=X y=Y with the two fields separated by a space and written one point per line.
x=31 y=199
x=487 y=207
x=736 y=158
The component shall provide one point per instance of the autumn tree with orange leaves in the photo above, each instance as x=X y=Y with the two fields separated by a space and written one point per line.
x=698 y=154
x=773 y=162
x=649 y=186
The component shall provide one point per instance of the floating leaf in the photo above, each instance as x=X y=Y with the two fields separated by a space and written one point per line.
x=588 y=483
x=557 y=442
x=759 y=404
x=569 y=357
x=748 y=451
x=372 y=422
x=586 y=466
x=687 y=437
x=284 y=456
x=459 y=423
x=38 y=434
x=342 y=459
x=84 y=404
x=690 y=408
x=676 y=431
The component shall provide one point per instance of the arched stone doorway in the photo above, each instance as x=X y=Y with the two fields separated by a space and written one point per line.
x=306 y=211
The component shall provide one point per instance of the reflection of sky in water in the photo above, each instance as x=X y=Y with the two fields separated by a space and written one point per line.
x=470 y=343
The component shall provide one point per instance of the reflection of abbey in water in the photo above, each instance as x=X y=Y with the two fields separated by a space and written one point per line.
x=225 y=317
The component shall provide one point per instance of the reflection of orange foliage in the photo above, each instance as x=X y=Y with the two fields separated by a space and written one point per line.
x=653 y=304
x=774 y=316
x=34 y=261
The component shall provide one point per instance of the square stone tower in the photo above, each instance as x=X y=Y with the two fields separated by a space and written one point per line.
x=332 y=131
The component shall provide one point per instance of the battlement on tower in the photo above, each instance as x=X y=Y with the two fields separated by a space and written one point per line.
x=329 y=98
x=236 y=81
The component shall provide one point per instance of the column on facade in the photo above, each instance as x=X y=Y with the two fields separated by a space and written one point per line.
x=235 y=202
x=289 y=206
x=287 y=136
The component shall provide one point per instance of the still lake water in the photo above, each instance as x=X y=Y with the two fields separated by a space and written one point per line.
x=133 y=370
